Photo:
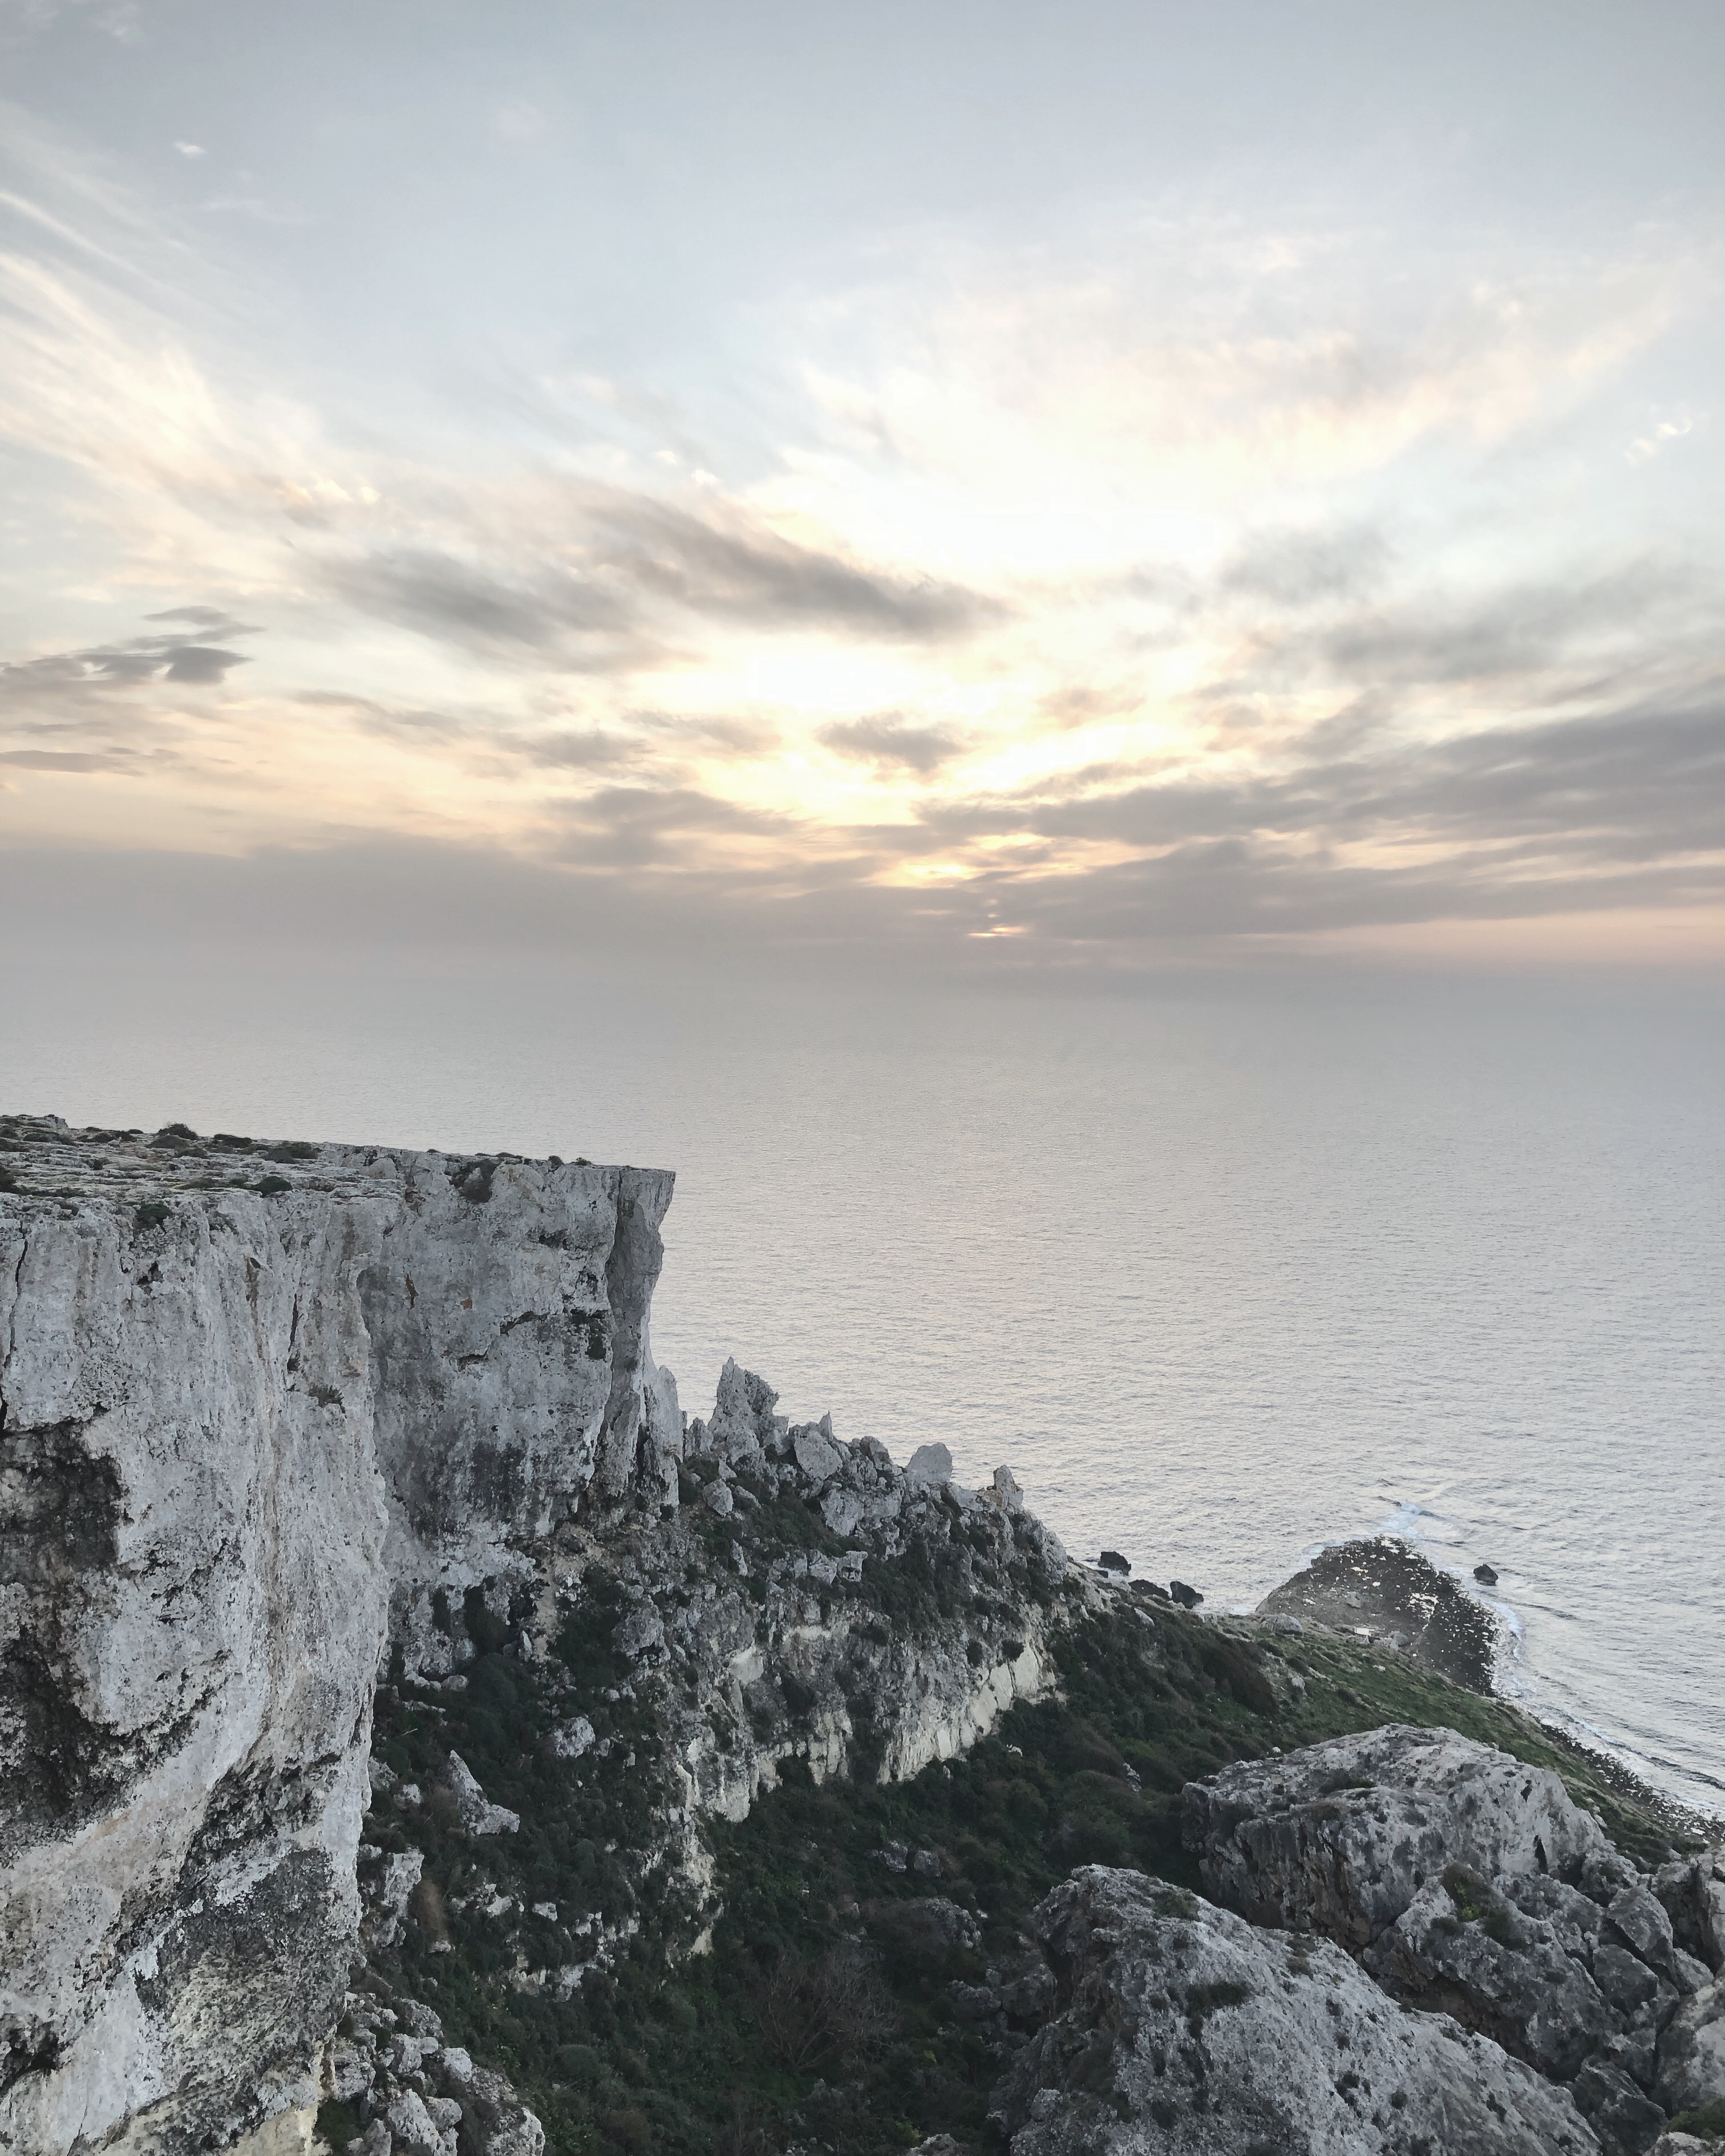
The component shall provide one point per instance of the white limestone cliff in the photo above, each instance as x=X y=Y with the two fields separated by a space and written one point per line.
x=253 y=1404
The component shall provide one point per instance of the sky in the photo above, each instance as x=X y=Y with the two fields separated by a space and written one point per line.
x=996 y=487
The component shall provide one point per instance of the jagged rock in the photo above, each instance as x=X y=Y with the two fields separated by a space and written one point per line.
x=1691 y=2053
x=478 y=1816
x=815 y=1453
x=1189 y=1598
x=500 y=2123
x=1627 y=2122
x=642 y=1632
x=1005 y=1493
x=926 y=1933
x=1112 y=1561
x=1340 y=1837
x=743 y=1424
x=1187 y=2032
x=1383 y=1587
x=1485 y=1575
x=1691 y=1891
x=411 y=2127
x=1462 y=1948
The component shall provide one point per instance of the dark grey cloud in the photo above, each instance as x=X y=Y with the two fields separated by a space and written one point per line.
x=559 y=617
x=41 y=759
x=1651 y=778
x=211 y=619
x=735 y=570
x=1520 y=633
x=1621 y=809
x=587 y=748
x=636 y=564
x=65 y=681
x=413 y=725
x=889 y=740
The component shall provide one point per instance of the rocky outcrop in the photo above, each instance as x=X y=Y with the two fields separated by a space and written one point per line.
x=1182 y=2029
x=1470 y=1885
x=257 y=1404
x=1384 y=1590
x=1340 y=1838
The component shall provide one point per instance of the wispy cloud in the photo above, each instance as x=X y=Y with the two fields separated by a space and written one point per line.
x=1159 y=586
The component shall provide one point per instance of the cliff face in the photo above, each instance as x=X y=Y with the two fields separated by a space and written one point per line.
x=251 y=1403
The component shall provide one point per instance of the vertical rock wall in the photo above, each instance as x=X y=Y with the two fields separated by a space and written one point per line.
x=237 y=1425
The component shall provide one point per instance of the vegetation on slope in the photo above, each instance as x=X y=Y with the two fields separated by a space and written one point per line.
x=833 y=2004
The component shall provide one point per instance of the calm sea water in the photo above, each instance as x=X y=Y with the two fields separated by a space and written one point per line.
x=1223 y=1271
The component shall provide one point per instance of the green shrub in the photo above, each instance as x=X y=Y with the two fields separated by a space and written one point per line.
x=336 y=2123
x=151 y=1214
x=272 y=1186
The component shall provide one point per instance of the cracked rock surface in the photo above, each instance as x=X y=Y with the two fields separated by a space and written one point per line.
x=1181 y=2028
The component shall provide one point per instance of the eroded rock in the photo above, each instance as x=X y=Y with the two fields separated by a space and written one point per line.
x=1184 y=2030
x=1339 y=1838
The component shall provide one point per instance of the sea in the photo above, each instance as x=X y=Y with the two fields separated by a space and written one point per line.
x=1224 y=1267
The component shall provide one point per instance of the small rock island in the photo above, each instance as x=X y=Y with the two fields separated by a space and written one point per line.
x=420 y=1737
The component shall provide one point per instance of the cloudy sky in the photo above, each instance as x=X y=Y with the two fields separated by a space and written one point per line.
x=1077 y=485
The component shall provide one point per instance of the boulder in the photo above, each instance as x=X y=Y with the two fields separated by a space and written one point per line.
x=1186 y=2032
x=930 y=1463
x=816 y=1452
x=1112 y=1561
x=572 y=1739
x=1339 y=1838
x=1485 y=1575
x=1189 y=1598
x=412 y=2127
x=1691 y=2053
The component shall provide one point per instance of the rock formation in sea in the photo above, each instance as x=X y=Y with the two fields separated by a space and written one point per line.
x=389 y=1671
x=1382 y=1589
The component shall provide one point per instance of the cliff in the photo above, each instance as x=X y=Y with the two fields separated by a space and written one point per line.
x=417 y=1741
x=257 y=1405
x=278 y=1419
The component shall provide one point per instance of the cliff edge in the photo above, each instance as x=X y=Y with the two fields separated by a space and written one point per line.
x=259 y=1405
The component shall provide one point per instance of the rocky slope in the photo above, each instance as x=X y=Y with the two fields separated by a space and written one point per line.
x=411 y=1725
x=272 y=1414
